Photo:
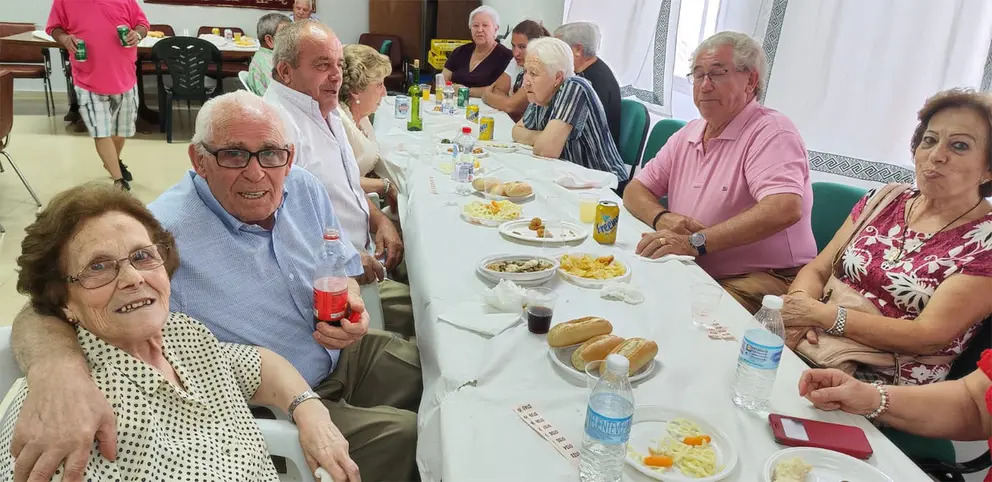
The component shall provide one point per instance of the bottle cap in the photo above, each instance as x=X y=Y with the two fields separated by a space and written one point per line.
x=466 y=130
x=617 y=364
x=772 y=302
x=331 y=234
x=447 y=82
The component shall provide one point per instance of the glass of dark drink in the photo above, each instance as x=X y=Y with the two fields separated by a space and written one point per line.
x=540 y=309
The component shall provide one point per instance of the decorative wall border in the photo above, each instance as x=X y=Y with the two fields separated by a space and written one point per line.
x=862 y=169
x=657 y=96
x=773 y=32
x=987 y=72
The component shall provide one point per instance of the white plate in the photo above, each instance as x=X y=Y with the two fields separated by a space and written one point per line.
x=562 y=356
x=449 y=147
x=517 y=277
x=482 y=221
x=506 y=198
x=594 y=283
x=524 y=147
x=519 y=230
x=828 y=466
x=499 y=146
x=650 y=423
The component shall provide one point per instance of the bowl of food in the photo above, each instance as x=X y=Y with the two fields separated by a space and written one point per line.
x=491 y=213
x=517 y=268
x=493 y=188
x=592 y=271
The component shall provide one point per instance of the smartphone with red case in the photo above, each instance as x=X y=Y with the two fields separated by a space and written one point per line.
x=800 y=432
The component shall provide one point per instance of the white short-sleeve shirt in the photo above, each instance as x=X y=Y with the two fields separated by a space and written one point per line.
x=512 y=69
x=201 y=431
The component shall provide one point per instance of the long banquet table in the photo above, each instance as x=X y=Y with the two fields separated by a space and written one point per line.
x=467 y=428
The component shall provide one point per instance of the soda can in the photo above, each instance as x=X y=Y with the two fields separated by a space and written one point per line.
x=472 y=113
x=122 y=31
x=402 y=107
x=486 y=126
x=462 y=96
x=607 y=217
x=81 y=54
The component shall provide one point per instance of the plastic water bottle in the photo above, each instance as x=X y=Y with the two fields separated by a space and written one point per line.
x=449 y=102
x=608 y=419
x=760 y=354
x=330 y=282
x=463 y=162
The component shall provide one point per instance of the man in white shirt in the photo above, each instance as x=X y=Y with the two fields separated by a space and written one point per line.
x=307 y=74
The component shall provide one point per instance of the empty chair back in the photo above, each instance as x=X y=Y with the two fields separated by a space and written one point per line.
x=167 y=30
x=663 y=130
x=187 y=60
x=24 y=54
x=634 y=123
x=6 y=105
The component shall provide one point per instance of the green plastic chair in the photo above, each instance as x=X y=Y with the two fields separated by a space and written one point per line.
x=384 y=48
x=832 y=205
x=662 y=131
x=634 y=123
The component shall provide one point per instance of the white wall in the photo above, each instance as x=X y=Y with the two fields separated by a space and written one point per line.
x=348 y=18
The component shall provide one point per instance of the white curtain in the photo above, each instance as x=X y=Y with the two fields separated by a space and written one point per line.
x=852 y=74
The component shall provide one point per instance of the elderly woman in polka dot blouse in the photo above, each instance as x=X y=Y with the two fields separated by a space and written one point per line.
x=98 y=259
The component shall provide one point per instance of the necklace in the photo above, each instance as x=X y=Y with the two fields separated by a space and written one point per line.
x=904 y=249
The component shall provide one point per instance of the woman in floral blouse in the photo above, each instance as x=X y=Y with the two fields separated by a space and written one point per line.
x=924 y=261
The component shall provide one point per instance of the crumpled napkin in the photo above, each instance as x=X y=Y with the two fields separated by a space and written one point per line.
x=501 y=309
x=575 y=180
x=621 y=291
x=667 y=257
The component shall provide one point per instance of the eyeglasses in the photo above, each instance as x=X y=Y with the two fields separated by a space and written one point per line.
x=102 y=272
x=239 y=158
x=716 y=76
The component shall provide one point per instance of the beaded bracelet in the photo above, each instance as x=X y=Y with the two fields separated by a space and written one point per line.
x=883 y=406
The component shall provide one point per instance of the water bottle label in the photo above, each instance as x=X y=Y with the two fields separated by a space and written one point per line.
x=760 y=356
x=463 y=171
x=610 y=431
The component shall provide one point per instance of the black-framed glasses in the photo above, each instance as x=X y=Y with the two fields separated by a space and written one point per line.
x=239 y=158
x=716 y=75
x=101 y=272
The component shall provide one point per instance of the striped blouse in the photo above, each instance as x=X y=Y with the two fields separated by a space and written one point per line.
x=590 y=143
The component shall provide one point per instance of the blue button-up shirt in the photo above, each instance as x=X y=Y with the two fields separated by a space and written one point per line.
x=248 y=284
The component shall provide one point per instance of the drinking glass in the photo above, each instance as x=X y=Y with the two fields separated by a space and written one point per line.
x=705 y=301
x=540 y=309
x=425 y=91
x=237 y=36
x=587 y=206
x=593 y=373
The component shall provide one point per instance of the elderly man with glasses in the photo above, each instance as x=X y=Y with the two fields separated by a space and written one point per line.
x=249 y=226
x=737 y=180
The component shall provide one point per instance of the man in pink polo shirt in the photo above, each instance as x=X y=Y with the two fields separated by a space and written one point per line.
x=737 y=180
x=105 y=83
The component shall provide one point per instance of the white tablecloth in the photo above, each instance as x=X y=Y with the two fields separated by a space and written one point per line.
x=467 y=429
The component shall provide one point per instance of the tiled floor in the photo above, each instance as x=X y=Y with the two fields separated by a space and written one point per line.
x=54 y=157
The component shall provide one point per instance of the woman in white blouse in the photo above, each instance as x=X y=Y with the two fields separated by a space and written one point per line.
x=362 y=89
x=98 y=259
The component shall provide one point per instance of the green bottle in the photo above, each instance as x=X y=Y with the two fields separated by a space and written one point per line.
x=416 y=123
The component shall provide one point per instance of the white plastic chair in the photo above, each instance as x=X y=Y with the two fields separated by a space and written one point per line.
x=281 y=436
x=243 y=77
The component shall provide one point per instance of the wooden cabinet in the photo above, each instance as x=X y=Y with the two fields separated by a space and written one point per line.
x=416 y=22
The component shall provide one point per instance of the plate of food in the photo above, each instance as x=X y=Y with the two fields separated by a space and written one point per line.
x=499 y=146
x=575 y=343
x=450 y=149
x=491 y=213
x=592 y=271
x=537 y=230
x=677 y=446
x=446 y=166
x=807 y=464
x=493 y=188
x=524 y=147
x=245 y=42
x=517 y=268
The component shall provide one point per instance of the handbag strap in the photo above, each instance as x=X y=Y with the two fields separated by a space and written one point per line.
x=875 y=205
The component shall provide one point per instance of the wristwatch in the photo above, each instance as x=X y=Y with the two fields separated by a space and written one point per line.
x=307 y=395
x=698 y=241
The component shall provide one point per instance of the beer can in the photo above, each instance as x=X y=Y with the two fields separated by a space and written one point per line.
x=402 y=109
x=486 y=126
x=81 y=54
x=472 y=113
x=607 y=217
x=122 y=31
x=462 y=96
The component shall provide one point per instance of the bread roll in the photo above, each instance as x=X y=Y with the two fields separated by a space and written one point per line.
x=578 y=331
x=595 y=348
x=517 y=189
x=639 y=351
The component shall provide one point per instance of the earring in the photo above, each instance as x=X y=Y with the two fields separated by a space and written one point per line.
x=358 y=101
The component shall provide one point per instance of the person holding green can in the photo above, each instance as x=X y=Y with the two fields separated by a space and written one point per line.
x=104 y=79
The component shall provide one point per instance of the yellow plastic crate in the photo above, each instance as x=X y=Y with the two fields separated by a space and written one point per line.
x=442 y=47
x=437 y=61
